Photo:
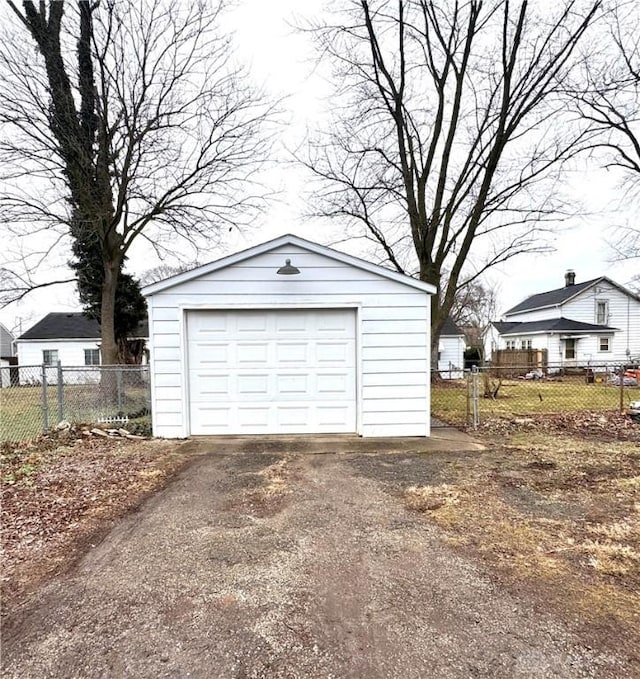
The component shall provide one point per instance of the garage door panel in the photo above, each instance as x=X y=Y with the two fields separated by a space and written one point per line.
x=252 y=385
x=293 y=416
x=289 y=371
x=253 y=417
x=285 y=324
x=211 y=353
x=292 y=384
x=292 y=353
x=252 y=353
x=212 y=417
x=334 y=415
x=336 y=383
x=251 y=322
x=335 y=353
x=284 y=387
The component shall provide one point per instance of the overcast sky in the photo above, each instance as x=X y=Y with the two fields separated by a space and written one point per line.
x=282 y=61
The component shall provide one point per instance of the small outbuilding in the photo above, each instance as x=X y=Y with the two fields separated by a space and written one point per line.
x=290 y=337
x=451 y=351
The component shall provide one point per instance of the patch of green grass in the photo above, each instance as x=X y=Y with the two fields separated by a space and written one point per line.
x=524 y=397
x=21 y=408
x=21 y=412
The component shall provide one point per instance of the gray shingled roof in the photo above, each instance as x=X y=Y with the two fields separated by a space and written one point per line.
x=504 y=326
x=550 y=325
x=450 y=329
x=65 y=325
x=554 y=297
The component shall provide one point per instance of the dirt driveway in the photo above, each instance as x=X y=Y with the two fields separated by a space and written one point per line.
x=266 y=563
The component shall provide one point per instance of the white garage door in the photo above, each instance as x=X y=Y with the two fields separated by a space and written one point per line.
x=272 y=371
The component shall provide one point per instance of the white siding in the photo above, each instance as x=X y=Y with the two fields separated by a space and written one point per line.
x=5 y=374
x=623 y=314
x=535 y=315
x=451 y=356
x=7 y=346
x=70 y=352
x=392 y=333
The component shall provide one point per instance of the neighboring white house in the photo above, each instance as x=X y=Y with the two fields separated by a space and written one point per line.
x=7 y=352
x=290 y=337
x=7 y=343
x=451 y=351
x=580 y=324
x=70 y=338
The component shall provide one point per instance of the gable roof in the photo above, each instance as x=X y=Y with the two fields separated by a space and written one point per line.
x=552 y=297
x=450 y=329
x=551 y=325
x=559 y=296
x=287 y=239
x=71 y=325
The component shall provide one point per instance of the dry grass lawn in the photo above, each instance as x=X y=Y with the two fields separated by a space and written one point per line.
x=527 y=397
x=556 y=513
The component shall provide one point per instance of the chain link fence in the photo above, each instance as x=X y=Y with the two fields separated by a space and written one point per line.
x=36 y=398
x=513 y=392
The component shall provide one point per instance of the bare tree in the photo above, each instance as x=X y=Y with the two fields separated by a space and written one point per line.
x=123 y=121
x=610 y=103
x=159 y=273
x=448 y=149
x=475 y=305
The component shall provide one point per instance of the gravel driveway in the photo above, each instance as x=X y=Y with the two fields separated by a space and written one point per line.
x=277 y=564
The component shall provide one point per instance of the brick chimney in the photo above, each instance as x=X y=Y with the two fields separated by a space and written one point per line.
x=569 y=278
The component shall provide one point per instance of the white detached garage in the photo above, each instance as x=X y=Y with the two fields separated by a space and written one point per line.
x=289 y=337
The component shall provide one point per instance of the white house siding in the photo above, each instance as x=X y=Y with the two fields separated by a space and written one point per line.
x=451 y=356
x=392 y=334
x=7 y=343
x=70 y=353
x=491 y=340
x=5 y=374
x=536 y=315
x=624 y=315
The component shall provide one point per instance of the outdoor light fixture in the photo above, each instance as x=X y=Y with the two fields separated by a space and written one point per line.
x=288 y=269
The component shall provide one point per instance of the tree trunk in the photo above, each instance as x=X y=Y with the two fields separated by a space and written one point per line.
x=109 y=346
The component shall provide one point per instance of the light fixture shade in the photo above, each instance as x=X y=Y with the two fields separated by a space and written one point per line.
x=288 y=269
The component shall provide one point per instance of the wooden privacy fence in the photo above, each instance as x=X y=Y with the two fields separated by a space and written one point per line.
x=528 y=359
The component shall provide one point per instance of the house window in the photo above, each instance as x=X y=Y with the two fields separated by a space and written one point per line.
x=50 y=356
x=604 y=344
x=570 y=349
x=92 y=356
x=602 y=312
x=511 y=344
x=526 y=344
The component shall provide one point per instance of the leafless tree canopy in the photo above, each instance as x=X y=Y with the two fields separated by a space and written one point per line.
x=609 y=100
x=122 y=121
x=475 y=305
x=452 y=132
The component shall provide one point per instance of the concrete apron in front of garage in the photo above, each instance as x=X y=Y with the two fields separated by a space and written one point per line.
x=442 y=439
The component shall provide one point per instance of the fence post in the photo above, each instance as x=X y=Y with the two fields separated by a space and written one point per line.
x=475 y=396
x=60 y=394
x=45 y=405
x=623 y=370
x=119 y=387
